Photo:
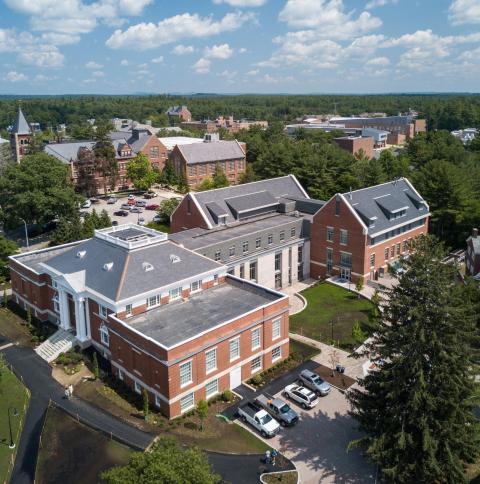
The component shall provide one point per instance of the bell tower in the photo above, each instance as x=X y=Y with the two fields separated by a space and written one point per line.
x=21 y=136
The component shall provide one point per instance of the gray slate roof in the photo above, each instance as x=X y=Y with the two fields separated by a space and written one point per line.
x=176 y=322
x=282 y=187
x=21 y=125
x=211 y=151
x=67 y=152
x=128 y=277
x=175 y=110
x=377 y=202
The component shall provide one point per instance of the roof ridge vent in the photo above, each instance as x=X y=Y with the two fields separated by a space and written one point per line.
x=108 y=266
x=147 y=267
x=174 y=258
x=81 y=254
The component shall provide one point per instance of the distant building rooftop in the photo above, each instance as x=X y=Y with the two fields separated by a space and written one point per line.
x=171 y=141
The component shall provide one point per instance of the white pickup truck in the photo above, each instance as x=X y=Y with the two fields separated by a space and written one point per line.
x=259 y=418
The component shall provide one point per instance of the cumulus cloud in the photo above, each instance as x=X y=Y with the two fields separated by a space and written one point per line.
x=124 y=62
x=379 y=61
x=93 y=65
x=14 y=76
x=464 y=12
x=202 y=66
x=378 y=3
x=158 y=60
x=145 y=36
x=242 y=3
x=223 y=51
x=43 y=78
x=98 y=74
x=181 y=49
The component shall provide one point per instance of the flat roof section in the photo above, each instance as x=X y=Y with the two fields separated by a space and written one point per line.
x=179 y=321
x=33 y=259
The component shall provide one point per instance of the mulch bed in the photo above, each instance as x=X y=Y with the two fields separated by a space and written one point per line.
x=340 y=380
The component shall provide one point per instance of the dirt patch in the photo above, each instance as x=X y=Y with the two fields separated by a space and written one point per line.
x=59 y=374
x=339 y=380
x=290 y=477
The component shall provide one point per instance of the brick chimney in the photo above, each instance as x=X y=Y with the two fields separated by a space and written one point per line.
x=474 y=233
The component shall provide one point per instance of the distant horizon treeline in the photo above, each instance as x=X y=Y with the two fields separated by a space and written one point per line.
x=442 y=111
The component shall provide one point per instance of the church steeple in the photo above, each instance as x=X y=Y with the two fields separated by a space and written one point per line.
x=20 y=136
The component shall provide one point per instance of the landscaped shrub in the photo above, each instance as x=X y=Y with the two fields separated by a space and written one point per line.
x=227 y=396
x=257 y=380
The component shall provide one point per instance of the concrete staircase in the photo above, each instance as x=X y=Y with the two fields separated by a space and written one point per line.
x=60 y=342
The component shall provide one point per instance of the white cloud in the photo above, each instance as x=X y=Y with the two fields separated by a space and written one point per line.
x=98 y=74
x=202 y=66
x=464 y=12
x=242 y=50
x=59 y=39
x=42 y=56
x=379 y=61
x=378 y=3
x=328 y=17
x=124 y=62
x=242 y=3
x=158 y=60
x=269 y=79
x=223 y=51
x=14 y=76
x=43 y=78
x=144 y=35
x=253 y=72
x=471 y=55
x=181 y=49
x=93 y=65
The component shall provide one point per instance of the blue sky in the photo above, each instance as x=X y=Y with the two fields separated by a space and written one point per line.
x=234 y=46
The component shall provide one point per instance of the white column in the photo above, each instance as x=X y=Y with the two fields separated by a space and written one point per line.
x=87 y=315
x=64 y=309
x=80 y=319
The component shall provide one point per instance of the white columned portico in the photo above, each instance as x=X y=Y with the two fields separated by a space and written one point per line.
x=64 y=309
x=80 y=318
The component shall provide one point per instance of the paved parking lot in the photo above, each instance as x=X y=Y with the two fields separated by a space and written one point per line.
x=132 y=217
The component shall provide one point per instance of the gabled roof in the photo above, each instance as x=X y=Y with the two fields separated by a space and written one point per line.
x=256 y=194
x=211 y=151
x=67 y=152
x=21 y=125
x=388 y=205
x=175 y=110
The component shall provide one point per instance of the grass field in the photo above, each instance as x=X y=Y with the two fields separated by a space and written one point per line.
x=72 y=453
x=162 y=227
x=13 y=396
x=328 y=303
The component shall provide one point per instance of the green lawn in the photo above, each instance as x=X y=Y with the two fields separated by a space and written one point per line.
x=162 y=227
x=327 y=303
x=13 y=396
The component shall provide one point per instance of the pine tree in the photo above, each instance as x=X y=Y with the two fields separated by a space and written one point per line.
x=416 y=408
x=104 y=220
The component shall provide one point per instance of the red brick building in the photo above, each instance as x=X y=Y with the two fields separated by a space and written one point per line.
x=358 y=234
x=179 y=113
x=20 y=137
x=353 y=144
x=168 y=320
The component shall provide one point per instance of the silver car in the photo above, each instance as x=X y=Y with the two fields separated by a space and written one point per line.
x=311 y=380
x=301 y=395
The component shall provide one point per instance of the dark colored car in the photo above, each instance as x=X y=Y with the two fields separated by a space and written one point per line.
x=121 y=213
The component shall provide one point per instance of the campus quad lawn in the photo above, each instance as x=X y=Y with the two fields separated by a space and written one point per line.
x=15 y=395
x=71 y=452
x=327 y=303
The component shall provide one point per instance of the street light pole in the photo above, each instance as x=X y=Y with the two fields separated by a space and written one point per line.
x=15 y=414
x=26 y=231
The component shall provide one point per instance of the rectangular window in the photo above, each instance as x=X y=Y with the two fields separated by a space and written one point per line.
x=215 y=279
x=210 y=360
x=154 y=152
x=282 y=236
x=120 y=374
x=329 y=234
x=256 y=338
x=300 y=253
x=345 y=259
x=211 y=388
x=292 y=232
x=202 y=169
x=398 y=248
x=192 y=170
x=242 y=271
x=405 y=246
x=234 y=349
x=386 y=253
x=186 y=373
x=329 y=260
x=278 y=261
x=270 y=239
x=153 y=301
x=253 y=271
x=187 y=402
x=157 y=400
x=256 y=364
x=138 y=387
x=103 y=311
x=231 y=165
x=175 y=293
x=393 y=251
x=196 y=286
x=372 y=260
x=245 y=247
x=218 y=255
x=343 y=237
x=276 y=328
x=258 y=242
x=128 y=309
x=231 y=251
x=276 y=353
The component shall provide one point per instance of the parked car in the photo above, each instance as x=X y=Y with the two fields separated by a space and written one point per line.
x=131 y=201
x=114 y=223
x=131 y=197
x=141 y=221
x=125 y=206
x=141 y=203
x=305 y=397
x=121 y=213
x=311 y=380
x=152 y=206
x=87 y=204
x=278 y=409
x=112 y=200
x=95 y=200
x=149 y=195
x=136 y=210
x=158 y=219
x=259 y=418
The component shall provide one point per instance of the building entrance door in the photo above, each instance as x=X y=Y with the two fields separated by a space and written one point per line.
x=235 y=378
x=345 y=273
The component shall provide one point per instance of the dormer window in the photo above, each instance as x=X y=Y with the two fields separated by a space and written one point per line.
x=104 y=335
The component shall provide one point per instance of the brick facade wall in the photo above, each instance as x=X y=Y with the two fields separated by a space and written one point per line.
x=187 y=216
x=354 y=145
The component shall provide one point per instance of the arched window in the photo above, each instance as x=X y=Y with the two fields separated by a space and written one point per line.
x=104 y=336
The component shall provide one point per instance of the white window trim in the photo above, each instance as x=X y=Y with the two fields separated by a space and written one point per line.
x=343 y=231
x=170 y=298
x=120 y=374
x=279 y=321
x=259 y=329
x=207 y=371
x=279 y=356
x=215 y=392
x=138 y=387
x=127 y=312
x=332 y=229
x=191 y=406
x=104 y=335
x=193 y=291
x=190 y=362
x=252 y=372
x=230 y=351
x=157 y=400
x=103 y=311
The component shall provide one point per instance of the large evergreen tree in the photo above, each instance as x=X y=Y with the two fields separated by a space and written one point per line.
x=105 y=160
x=416 y=408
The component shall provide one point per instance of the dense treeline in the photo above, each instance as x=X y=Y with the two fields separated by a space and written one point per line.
x=441 y=111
